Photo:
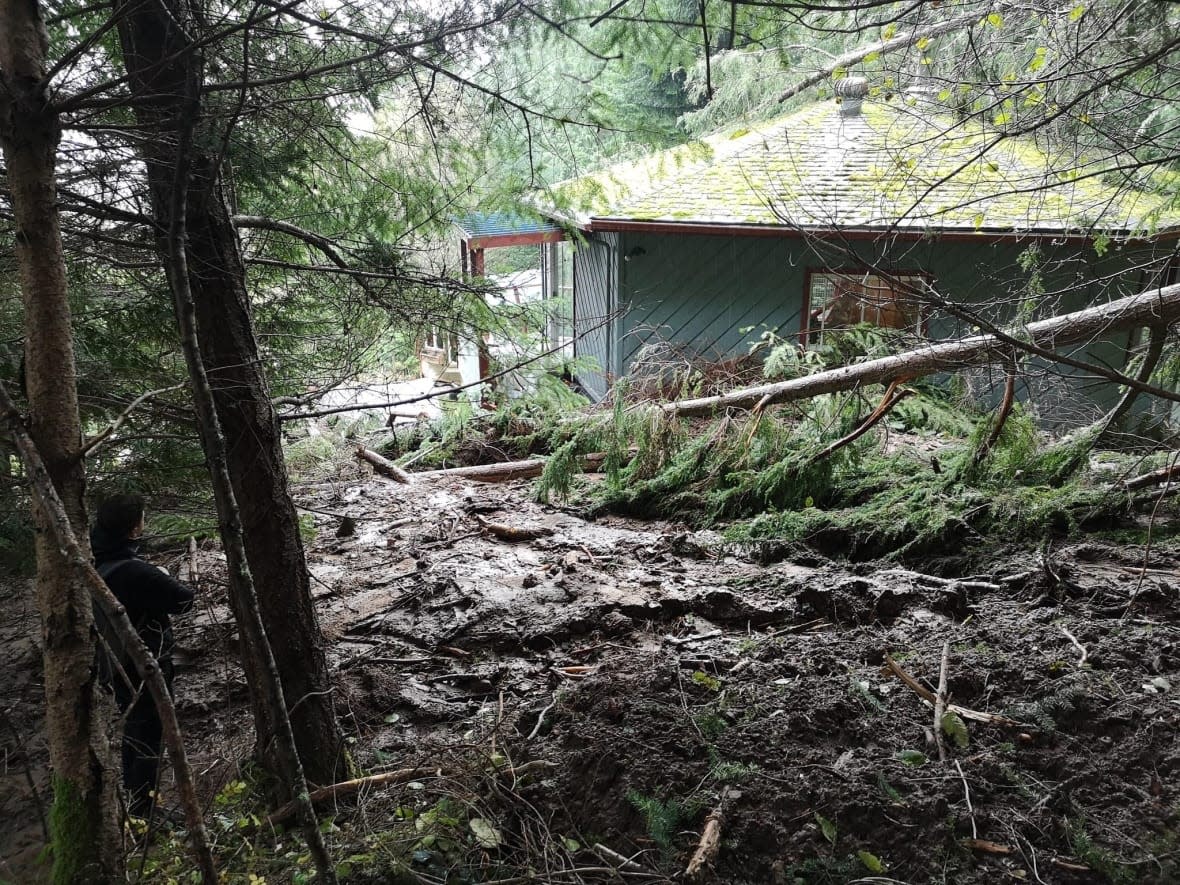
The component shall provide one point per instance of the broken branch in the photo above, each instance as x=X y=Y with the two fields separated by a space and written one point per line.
x=887 y=403
x=1081 y=648
x=707 y=848
x=383 y=465
x=940 y=701
x=95 y=441
x=1155 y=478
x=928 y=696
x=621 y=861
x=511 y=532
x=901 y=41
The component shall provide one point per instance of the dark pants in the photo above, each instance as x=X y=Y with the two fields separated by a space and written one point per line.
x=142 y=742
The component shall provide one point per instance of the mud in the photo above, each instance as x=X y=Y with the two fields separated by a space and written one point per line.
x=666 y=674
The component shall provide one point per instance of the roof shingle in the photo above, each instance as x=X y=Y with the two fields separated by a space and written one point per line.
x=889 y=167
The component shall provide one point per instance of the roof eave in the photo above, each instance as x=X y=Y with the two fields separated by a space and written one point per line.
x=607 y=224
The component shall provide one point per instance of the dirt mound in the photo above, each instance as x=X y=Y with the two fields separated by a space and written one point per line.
x=662 y=674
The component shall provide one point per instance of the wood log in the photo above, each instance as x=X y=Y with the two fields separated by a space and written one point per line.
x=383 y=465
x=506 y=470
x=1157 y=306
x=1155 y=478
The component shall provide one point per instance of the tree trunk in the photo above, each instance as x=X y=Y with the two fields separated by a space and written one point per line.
x=1155 y=307
x=154 y=49
x=57 y=525
x=83 y=826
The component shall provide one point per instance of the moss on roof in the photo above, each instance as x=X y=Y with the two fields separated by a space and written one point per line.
x=888 y=167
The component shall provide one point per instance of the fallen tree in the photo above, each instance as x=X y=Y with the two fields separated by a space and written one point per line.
x=1155 y=307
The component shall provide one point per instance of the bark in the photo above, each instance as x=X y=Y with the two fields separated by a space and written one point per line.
x=254 y=635
x=1156 y=307
x=154 y=50
x=83 y=821
x=59 y=527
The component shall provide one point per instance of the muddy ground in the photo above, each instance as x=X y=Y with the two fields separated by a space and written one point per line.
x=664 y=674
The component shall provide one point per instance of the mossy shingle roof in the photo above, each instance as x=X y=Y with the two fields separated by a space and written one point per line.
x=890 y=167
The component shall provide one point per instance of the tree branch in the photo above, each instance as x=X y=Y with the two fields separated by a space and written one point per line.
x=901 y=41
x=95 y=441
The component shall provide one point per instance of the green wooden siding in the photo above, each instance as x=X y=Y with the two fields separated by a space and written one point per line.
x=595 y=287
x=713 y=296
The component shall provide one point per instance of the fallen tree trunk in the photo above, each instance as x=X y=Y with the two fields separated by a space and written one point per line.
x=1155 y=478
x=507 y=470
x=1158 y=306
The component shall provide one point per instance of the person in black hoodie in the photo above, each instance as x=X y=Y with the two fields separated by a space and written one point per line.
x=149 y=595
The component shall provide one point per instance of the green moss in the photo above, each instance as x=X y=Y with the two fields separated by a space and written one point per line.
x=75 y=837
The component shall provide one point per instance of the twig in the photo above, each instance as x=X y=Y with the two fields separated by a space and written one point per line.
x=795 y=628
x=967 y=797
x=1172 y=471
x=398 y=776
x=621 y=861
x=541 y=719
x=985 y=846
x=940 y=701
x=1063 y=864
x=95 y=441
x=1077 y=645
x=928 y=696
x=707 y=848
x=685 y=640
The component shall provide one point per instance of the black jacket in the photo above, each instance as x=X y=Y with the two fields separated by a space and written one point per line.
x=148 y=594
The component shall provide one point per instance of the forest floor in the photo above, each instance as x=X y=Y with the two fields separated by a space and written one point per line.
x=654 y=675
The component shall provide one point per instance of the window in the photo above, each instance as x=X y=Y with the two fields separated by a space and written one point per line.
x=838 y=300
x=440 y=346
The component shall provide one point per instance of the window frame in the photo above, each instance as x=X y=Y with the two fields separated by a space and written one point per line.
x=807 y=335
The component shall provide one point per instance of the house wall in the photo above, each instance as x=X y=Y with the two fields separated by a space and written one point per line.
x=596 y=280
x=713 y=296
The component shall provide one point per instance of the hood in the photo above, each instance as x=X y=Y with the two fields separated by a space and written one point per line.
x=107 y=546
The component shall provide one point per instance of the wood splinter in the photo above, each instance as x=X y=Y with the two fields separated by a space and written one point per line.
x=707 y=848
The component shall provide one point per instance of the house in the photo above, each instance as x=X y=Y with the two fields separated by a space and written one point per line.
x=526 y=311
x=710 y=244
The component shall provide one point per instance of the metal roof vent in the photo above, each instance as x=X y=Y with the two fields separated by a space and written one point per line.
x=851 y=91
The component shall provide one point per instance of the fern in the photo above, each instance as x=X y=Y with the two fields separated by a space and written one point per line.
x=661 y=818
